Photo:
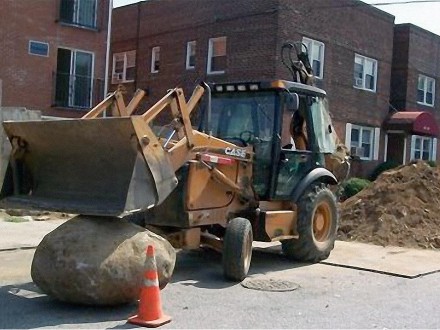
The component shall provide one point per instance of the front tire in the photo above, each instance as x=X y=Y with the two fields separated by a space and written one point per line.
x=237 y=249
x=317 y=224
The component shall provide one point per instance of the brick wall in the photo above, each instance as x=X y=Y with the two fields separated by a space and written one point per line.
x=416 y=51
x=28 y=80
x=255 y=31
x=346 y=27
x=399 y=83
x=249 y=26
x=423 y=58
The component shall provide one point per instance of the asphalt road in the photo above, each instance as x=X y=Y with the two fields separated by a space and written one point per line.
x=198 y=297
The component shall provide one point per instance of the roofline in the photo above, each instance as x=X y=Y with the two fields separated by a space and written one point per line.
x=376 y=10
x=413 y=27
x=129 y=4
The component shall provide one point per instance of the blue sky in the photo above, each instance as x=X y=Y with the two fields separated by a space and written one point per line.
x=425 y=15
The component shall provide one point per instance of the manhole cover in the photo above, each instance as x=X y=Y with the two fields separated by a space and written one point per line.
x=269 y=284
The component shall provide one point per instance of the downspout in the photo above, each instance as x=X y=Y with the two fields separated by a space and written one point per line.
x=138 y=28
x=208 y=129
x=107 y=53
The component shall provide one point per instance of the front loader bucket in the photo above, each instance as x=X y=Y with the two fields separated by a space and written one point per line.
x=84 y=166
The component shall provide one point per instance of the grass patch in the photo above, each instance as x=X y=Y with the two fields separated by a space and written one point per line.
x=16 y=219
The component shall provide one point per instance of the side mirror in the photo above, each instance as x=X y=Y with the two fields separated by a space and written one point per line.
x=292 y=101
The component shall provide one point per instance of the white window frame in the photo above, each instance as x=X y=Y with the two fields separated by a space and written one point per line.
x=38 y=42
x=432 y=149
x=190 y=46
x=374 y=140
x=124 y=56
x=426 y=81
x=74 y=52
x=360 y=84
x=77 y=12
x=313 y=47
x=155 y=55
x=211 y=53
x=76 y=15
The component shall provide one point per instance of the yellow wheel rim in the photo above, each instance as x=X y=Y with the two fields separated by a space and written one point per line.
x=322 y=221
x=247 y=253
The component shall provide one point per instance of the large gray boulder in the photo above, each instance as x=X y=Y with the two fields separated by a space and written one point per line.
x=98 y=261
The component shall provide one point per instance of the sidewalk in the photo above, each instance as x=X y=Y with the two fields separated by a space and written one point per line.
x=394 y=261
x=28 y=234
x=389 y=260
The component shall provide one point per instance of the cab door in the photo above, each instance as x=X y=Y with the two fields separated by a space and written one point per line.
x=292 y=168
x=296 y=158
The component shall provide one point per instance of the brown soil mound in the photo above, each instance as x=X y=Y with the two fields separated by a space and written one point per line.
x=400 y=208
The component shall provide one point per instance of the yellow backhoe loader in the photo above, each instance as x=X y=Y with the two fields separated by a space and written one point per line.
x=255 y=163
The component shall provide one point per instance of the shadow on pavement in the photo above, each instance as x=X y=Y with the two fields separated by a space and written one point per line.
x=202 y=268
x=24 y=306
x=124 y=326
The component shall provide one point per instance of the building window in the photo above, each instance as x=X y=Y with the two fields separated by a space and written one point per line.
x=426 y=91
x=423 y=148
x=79 y=12
x=217 y=55
x=316 y=56
x=124 y=67
x=73 y=84
x=191 y=55
x=155 y=59
x=365 y=73
x=38 y=48
x=363 y=141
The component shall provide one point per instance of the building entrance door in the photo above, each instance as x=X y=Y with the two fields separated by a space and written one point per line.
x=396 y=147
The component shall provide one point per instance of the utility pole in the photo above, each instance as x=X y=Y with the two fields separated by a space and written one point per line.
x=2 y=139
x=107 y=53
x=1 y=117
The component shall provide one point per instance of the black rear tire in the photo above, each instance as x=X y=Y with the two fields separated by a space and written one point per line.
x=237 y=249
x=317 y=224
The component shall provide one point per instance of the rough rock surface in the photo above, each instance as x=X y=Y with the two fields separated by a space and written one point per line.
x=98 y=261
x=400 y=208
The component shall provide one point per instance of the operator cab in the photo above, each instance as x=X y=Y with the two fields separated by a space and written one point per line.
x=287 y=123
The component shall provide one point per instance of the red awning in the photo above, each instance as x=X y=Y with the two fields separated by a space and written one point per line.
x=416 y=122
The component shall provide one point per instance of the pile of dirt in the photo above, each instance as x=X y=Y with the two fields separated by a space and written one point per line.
x=400 y=208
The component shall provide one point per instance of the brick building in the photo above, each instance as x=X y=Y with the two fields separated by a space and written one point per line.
x=413 y=131
x=53 y=54
x=160 y=44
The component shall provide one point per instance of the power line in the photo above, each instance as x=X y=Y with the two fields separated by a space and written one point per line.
x=402 y=2
x=377 y=4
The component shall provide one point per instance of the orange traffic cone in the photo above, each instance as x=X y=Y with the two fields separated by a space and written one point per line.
x=150 y=306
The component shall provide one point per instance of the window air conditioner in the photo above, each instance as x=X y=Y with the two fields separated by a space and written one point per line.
x=357 y=151
x=358 y=82
x=118 y=76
